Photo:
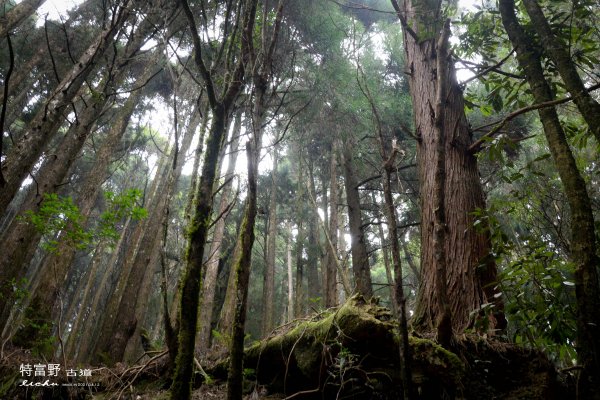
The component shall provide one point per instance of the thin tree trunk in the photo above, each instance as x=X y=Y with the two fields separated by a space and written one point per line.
x=314 y=291
x=126 y=321
x=331 y=265
x=212 y=265
x=16 y=15
x=82 y=350
x=290 y=275
x=300 y=302
x=105 y=319
x=241 y=272
x=269 y=271
x=85 y=303
x=558 y=52
x=358 y=246
x=45 y=124
x=583 y=240
x=388 y=265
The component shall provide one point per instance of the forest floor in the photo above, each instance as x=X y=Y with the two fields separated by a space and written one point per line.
x=346 y=353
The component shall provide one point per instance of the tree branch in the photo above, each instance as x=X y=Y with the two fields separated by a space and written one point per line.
x=476 y=146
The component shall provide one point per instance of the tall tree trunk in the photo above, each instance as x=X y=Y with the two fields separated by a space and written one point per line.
x=358 y=246
x=88 y=292
x=331 y=265
x=16 y=15
x=312 y=263
x=104 y=290
x=290 y=275
x=21 y=238
x=583 y=240
x=22 y=74
x=43 y=127
x=220 y=107
x=300 y=212
x=241 y=272
x=269 y=271
x=387 y=263
x=558 y=52
x=212 y=265
x=469 y=285
x=126 y=321
x=92 y=183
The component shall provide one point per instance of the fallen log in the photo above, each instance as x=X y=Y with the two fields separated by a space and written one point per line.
x=351 y=351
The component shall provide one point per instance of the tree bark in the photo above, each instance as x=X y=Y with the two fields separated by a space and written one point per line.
x=583 y=240
x=314 y=291
x=331 y=265
x=43 y=127
x=358 y=246
x=557 y=50
x=469 y=285
x=16 y=15
x=134 y=297
x=290 y=275
x=212 y=265
x=269 y=271
x=241 y=272
x=220 y=107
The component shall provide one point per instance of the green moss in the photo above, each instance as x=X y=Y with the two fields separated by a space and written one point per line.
x=435 y=359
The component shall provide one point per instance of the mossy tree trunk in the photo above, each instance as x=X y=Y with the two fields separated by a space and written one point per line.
x=358 y=245
x=351 y=351
x=212 y=265
x=583 y=250
x=271 y=248
x=221 y=106
x=241 y=271
x=558 y=51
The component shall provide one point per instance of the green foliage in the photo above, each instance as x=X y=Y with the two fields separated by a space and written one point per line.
x=537 y=285
x=58 y=218
x=119 y=208
x=59 y=215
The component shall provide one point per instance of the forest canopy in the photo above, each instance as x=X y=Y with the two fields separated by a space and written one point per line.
x=183 y=179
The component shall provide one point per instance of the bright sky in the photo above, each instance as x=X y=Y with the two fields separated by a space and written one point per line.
x=54 y=8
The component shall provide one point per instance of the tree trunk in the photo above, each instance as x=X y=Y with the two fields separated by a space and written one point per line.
x=290 y=276
x=89 y=292
x=342 y=354
x=18 y=14
x=220 y=107
x=92 y=183
x=300 y=212
x=43 y=127
x=388 y=265
x=212 y=265
x=469 y=285
x=241 y=272
x=21 y=237
x=331 y=266
x=558 y=52
x=358 y=246
x=22 y=74
x=134 y=297
x=583 y=240
x=314 y=292
x=269 y=272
